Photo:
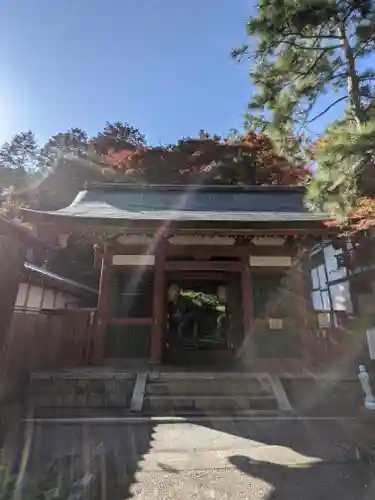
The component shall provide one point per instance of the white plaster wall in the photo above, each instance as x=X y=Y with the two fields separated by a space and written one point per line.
x=21 y=296
x=49 y=299
x=133 y=260
x=270 y=261
x=35 y=298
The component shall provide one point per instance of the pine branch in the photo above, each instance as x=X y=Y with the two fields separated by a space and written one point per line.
x=302 y=47
x=328 y=108
x=306 y=113
x=313 y=66
x=313 y=37
x=295 y=45
x=364 y=46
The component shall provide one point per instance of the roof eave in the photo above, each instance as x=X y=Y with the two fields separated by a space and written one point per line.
x=59 y=282
x=124 y=186
x=154 y=224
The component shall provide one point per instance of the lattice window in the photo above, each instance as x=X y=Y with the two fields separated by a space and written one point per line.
x=320 y=295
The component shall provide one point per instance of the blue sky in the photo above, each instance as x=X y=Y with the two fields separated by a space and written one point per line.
x=162 y=65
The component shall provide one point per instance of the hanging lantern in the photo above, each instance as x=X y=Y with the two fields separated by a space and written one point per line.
x=173 y=292
x=222 y=293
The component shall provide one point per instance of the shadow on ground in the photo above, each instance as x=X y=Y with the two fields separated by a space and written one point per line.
x=293 y=460
x=325 y=480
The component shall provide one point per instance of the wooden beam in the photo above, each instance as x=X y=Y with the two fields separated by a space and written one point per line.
x=159 y=305
x=285 y=250
x=257 y=229
x=103 y=304
x=214 y=250
x=270 y=270
x=197 y=275
x=230 y=266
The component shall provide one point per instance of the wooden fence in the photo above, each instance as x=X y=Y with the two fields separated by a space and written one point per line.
x=49 y=340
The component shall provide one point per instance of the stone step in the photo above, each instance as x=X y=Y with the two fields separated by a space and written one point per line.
x=209 y=403
x=81 y=392
x=206 y=387
x=74 y=394
x=207 y=384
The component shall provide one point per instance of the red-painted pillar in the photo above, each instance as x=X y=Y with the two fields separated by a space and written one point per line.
x=302 y=301
x=159 y=306
x=248 y=310
x=103 y=304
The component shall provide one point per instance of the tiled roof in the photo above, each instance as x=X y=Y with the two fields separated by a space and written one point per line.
x=187 y=203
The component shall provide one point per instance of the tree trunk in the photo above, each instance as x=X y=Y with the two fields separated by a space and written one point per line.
x=353 y=81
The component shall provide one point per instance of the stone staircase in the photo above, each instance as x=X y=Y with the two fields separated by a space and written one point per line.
x=186 y=393
x=110 y=394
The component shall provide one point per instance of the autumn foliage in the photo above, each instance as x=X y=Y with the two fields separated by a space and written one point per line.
x=363 y=216
x=249 y=159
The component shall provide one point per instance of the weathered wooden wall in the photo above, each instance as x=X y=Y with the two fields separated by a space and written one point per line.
x=43 y=341
x=11 y=267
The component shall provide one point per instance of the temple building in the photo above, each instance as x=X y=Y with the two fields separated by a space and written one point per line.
x=197 y=275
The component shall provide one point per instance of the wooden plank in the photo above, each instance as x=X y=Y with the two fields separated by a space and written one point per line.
x=229 y=266
x=138 y=392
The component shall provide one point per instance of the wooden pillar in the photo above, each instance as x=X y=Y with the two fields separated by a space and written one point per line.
x=159 y=305
x=247 y=307
x=12 y=255
x=103 y=303
x=247 y=300
x=302 y=303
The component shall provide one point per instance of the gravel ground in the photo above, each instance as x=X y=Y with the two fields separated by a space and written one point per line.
x=258 y=482
x=252 y=459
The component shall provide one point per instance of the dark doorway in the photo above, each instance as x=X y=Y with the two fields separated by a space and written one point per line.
x=201 y=323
